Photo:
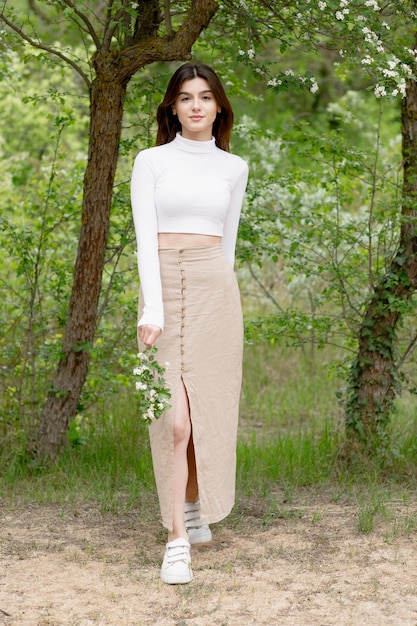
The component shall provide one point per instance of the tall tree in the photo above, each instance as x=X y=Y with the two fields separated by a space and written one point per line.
x=125 y=37
x=374 y=372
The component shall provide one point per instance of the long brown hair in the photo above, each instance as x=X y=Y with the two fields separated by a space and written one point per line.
x=169 y=124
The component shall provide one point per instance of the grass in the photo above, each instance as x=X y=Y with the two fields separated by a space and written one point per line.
x=285 y=391
x=107 y=461
x=289 y=442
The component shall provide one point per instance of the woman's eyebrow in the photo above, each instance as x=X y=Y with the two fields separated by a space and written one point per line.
x=186 y=93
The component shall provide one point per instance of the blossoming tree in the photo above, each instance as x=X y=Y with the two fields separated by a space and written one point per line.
x=377 y=43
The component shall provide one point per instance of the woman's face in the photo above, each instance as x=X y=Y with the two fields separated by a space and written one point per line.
x=196 y=108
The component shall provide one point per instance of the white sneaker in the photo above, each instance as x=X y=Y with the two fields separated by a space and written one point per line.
x=176 y=566
x=197 y=532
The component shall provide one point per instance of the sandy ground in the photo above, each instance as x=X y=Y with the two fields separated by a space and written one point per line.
x=61 y=566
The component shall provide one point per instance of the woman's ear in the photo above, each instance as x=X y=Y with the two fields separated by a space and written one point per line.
x=174 y=110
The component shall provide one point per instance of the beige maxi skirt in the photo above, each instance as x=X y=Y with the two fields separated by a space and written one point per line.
x=202 y=344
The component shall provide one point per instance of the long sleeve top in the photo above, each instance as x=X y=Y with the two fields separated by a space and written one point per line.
x=184 y=186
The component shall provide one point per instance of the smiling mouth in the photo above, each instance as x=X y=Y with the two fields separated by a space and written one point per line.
x=196 y=118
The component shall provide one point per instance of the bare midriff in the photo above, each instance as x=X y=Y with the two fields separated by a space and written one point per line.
x=186 y=240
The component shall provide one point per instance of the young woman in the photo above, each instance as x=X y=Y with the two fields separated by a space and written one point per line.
x=187 y=195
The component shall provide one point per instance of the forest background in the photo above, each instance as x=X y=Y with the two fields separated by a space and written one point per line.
x=325 y=102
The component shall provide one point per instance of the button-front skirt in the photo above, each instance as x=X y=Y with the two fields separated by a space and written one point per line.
x=202 y=343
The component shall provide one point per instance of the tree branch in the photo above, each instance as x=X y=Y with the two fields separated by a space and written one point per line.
x=41 y=46
x=147 y=21
x=407 y=352
x=168 y=21
x=262 y=287
x=108 y=19
x=109 y=32
x=84 y=18
x=156 y=48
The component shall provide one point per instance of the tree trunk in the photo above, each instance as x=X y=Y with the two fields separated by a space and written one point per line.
x=113 y=68
x=107 y=98
x=373 y=379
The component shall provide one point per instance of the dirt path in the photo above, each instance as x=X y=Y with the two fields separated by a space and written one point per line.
x=66 y=567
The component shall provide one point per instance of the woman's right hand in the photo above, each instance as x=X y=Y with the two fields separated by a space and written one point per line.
x=148 y=334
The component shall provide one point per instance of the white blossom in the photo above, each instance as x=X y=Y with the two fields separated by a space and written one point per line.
x=339 y=16
x=274 y=82
x=389 y=73
x=289 y=72
x=149 y=414
x=322 y=5
x=380 y=91
x=251 y=53
x=373 y=4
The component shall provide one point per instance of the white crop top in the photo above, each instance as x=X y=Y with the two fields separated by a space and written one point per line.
x=184 y=186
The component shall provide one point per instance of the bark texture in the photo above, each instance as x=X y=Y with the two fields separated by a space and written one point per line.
x=113 y=70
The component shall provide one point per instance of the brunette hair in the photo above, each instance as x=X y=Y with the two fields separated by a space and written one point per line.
x=169 y=124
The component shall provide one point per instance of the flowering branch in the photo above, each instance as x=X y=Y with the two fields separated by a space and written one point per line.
x=154 y=393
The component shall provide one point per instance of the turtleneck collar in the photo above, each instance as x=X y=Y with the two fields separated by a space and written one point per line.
x=190 y=145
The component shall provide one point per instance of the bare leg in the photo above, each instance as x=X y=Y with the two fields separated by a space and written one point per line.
x=182 y=433
x=191 y=494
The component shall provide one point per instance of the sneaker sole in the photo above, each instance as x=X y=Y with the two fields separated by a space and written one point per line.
x=176 y=580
